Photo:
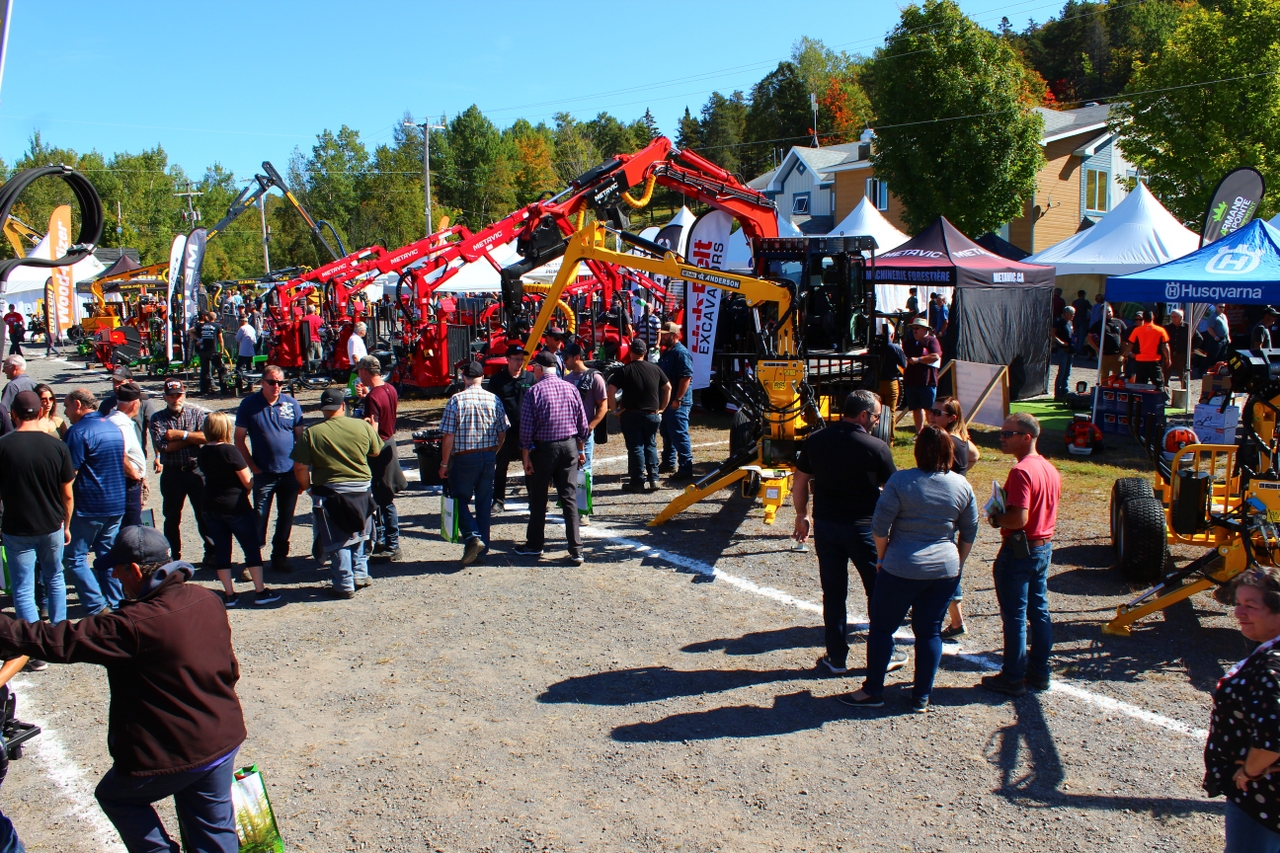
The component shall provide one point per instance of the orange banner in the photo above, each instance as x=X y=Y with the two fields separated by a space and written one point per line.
x=62 y=312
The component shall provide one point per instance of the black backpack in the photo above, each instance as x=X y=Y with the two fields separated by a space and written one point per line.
x=584 y=389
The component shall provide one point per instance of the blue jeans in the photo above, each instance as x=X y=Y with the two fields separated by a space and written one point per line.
x=471 y=476
x=640 y=434
x=927 y=600
x=836 y=543
x=1062 y=385
x=284 y=489
x=1246 y=835
x=348 y=565
x=23 y=553
x=97 y=589
x=244 y=527
x=1022 y=588
x=202 y=799
x=676 y=445
x=390 y=524
x=589 y=450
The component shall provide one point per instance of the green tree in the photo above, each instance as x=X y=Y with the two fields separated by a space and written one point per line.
x=533 y=161
x=956 y=133
x=723 y=130
x=575 y=150
x=650 y=124
x=689 y=132
x=391 y=206
x=1185 y=129
x=610 y=136
x=475 y=174
x=779 y=116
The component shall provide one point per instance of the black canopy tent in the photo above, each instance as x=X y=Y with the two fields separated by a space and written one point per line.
x=1001 y=311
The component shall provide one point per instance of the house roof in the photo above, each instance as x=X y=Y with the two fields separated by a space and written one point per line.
x=817 y=160
x=1060 y=124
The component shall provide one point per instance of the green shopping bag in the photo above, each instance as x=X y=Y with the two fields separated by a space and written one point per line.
x=584 y=492
x=256 y=825
x=449 y=517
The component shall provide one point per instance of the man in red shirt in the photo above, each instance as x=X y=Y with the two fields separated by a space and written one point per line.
x=380 y=403
x=1022 y=565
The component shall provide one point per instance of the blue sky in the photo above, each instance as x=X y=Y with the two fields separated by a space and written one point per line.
x=241 y=82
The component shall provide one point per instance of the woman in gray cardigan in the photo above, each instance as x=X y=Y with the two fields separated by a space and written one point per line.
x=925 y=523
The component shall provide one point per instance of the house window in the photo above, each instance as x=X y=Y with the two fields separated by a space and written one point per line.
x=800 y=203
x=1096 y=190
x=1133 y=177
x=800 y=169
x=878 y=192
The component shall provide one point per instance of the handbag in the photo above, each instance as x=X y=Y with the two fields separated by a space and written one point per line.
x=449 y=517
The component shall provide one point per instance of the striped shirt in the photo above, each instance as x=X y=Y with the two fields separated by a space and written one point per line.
x=475 y=418
x=552 y=411
x=191 y=419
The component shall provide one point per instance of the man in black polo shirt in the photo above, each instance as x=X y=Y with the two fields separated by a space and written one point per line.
x=845 y=467
x=509 y=386
x=645 y=393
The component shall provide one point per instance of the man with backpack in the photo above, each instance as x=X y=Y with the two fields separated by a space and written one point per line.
x=209 y=346
x=591 y=386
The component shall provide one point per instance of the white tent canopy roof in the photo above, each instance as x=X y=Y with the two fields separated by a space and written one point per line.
x=25 y=279
x=1137 y=235
x=865 y=220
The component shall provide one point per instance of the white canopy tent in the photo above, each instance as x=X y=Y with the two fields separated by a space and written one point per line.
x=865 y=221
x=1137 y=235
x=25 y=287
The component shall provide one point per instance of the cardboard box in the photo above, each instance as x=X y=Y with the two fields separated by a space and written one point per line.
x=1209 y=417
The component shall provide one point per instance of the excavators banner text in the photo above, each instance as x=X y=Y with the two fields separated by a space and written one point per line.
x=63 y=288
x=708 y=239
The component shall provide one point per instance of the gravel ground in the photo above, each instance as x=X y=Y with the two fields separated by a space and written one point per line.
x=663 y=697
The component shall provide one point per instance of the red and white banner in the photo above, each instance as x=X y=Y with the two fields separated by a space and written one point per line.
x=63 y=310
x=707 y=241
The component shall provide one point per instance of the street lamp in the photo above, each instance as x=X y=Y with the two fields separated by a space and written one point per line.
x=426 y=127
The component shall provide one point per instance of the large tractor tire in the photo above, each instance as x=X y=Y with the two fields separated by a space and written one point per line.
x=1142 y=549
x=1124 y=489
x=740 y=434
x=883 y=429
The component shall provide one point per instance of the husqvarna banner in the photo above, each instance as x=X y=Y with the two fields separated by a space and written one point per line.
x=64 y=311
x=175 y=279
x=192 y=259
x=1241 y=268
x=707 y=243
x=1233 y=205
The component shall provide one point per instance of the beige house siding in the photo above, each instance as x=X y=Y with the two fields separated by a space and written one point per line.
x=851 y=186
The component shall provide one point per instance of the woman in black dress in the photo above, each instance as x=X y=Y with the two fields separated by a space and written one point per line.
x=947 y=414
x=1241 y=753
x=227 y=512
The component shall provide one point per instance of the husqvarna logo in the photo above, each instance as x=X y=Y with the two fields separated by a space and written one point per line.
x=1237 y=261
x=1172 y=291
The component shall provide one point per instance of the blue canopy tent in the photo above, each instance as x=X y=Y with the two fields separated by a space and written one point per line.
x=1242 y=268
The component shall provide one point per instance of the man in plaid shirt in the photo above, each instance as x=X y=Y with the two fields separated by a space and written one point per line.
x=177 y=432
x=474 y=426
x=553 y=435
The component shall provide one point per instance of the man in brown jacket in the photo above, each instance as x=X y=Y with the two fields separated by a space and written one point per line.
x=175 y=722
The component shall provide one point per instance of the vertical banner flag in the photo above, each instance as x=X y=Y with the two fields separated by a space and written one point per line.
x=192 y=259
x=175 y=278
x=63 y=287
x=708 y=240
x=1234 y=203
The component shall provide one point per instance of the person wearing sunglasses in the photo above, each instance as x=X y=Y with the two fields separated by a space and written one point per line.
x=947 y=416
x=177 y=432
x=1021 y=567
x=50 y=422
x=268 y=425
x=1243 y=747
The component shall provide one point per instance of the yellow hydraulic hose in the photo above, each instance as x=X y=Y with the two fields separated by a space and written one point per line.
x=570 y=321
x=638 y=203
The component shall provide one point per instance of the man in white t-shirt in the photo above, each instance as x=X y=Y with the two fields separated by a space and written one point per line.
x=128 y=401
x=246 y=345
x=356 y=349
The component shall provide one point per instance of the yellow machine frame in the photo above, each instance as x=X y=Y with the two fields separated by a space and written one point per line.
x=780 y=376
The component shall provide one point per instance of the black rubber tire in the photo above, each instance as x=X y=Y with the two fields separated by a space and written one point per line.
x=883 y=428
x=751 y=486
x=740 y=433
x=1143 y=549
x=1121 y=491
x=712 y=400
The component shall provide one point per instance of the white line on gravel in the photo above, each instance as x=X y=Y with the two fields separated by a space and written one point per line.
x=67 y=776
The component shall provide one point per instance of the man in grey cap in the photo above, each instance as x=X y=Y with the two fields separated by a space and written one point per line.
x=141 y=418
x=475 y=426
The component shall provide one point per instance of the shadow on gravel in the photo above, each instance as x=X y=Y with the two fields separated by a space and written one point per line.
x=1031 y=771
x=1177 y=646
x=761 y=642
x=791 y=712
x=655 y=683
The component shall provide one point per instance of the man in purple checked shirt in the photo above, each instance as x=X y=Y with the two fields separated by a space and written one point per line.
x=553 y=435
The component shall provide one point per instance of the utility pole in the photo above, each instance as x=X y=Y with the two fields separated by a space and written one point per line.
x=266 y=255
x=813 y=105
x=426 y=127
x=190 y=214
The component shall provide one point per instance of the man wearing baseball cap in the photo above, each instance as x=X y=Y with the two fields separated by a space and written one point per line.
x=331 y=459
x=510 y=387
x=553 y=435
x=129 y=397
x=920 y=382
x=474 y=425
x=379 y=402
x=175 y=722
x=677 y=364
x=177 y=432
x=646 y=392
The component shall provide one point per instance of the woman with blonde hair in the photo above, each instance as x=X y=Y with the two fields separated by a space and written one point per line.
x=947 y=415
x=227 y=511
x=50 y=421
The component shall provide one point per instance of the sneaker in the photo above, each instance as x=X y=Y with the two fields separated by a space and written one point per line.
x=897 y=660
x=474 y=546
x=653 y=486
x=1037 y=684
x=334 y=592
x=667 y=468
x=363 y=582
x=865 y=702
x=920 y=706
x=528 y=551
x=282 y=565
x=953 y=632
x=34 y=665
x=380 y=548
x=499 y=506
x=1000 y=684
x=825 y=666
x=396 y=556
x=682 y=474
x=230 y=600
x=576 y=559
x=267 y=596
